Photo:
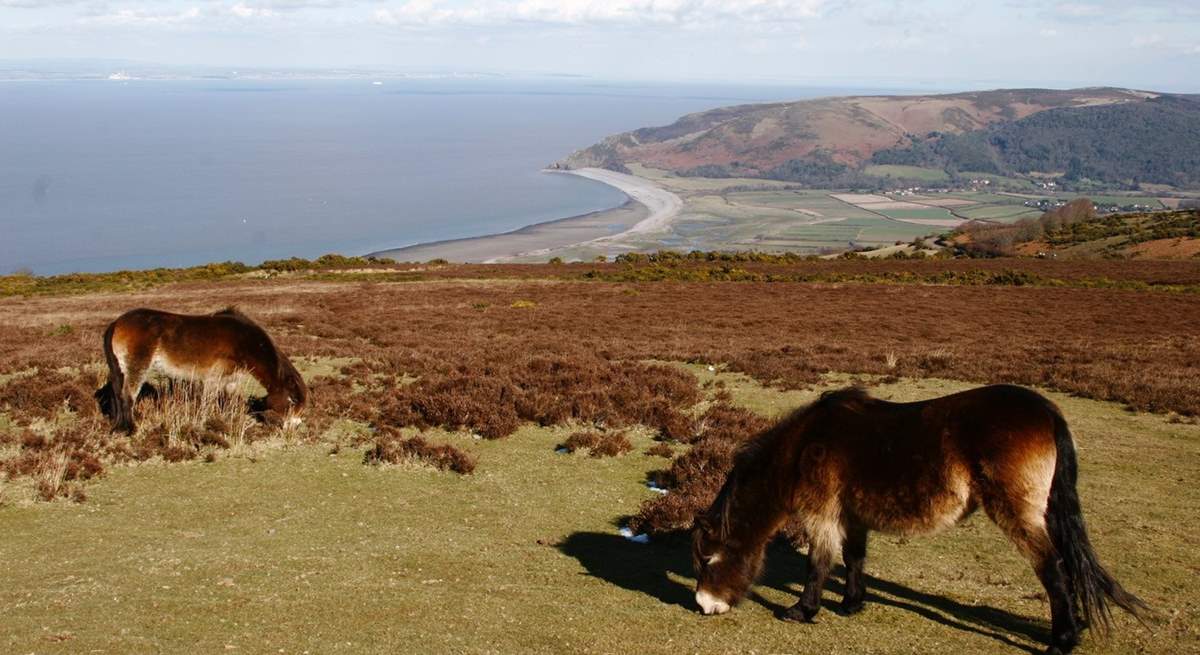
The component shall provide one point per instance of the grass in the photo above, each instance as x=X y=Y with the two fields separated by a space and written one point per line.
x=1000 y=212
x=1007 y=182
x=907 y=172
x=301 y=550
x=904 y=214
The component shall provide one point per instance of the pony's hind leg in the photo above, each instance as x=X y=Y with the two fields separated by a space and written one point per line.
x=1023 y=521
x=825 y=540
x=1064 y=626
x=854 y=555
x=136 y=366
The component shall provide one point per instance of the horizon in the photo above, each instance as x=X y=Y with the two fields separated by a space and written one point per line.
x=1146 y=45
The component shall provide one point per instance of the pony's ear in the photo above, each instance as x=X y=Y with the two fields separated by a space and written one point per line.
x=702 y=523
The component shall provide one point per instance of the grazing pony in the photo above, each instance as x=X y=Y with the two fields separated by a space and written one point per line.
x=849 y=464
x=196 y=347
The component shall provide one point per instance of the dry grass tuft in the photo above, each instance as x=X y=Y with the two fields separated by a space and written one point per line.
x=660 y=449
x=609 y=444
x=392 y=448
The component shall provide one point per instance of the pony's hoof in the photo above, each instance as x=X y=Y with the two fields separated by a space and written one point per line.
x=850 y=609
x=797 y=614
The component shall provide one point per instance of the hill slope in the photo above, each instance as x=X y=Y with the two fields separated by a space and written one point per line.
x=1112 y=136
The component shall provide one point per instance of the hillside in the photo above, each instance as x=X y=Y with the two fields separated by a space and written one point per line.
x=1096 y=136
x=1075 y=231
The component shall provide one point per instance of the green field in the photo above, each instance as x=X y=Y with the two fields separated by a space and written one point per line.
x=907 y=172
x=931 y=213
x=1014 y=182
x=300 y=550
x=999 y=212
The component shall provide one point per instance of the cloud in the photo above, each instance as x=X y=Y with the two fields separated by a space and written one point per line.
x=140 y=17
x=1147 y=41
x=685 y=13
x=244 y=11
x=195 y=14
x=33 y=4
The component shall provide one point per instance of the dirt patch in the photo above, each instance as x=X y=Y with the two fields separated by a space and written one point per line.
x=1184 y=248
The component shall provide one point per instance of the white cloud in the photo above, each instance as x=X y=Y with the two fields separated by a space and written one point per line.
x=689 y=13
x=1079 y=10
x=1147 y=41
x=125 y=17
x=243 y=11
x=1048 y=32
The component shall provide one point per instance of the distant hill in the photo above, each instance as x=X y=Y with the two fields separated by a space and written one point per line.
x=1081 y=138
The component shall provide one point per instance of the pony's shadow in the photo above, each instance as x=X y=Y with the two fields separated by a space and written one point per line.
x=646 y=568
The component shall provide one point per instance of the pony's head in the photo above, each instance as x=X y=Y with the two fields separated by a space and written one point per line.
x=293 y=383
x=290 y=394
x=725 y=565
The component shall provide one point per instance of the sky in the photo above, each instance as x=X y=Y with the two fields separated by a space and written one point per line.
x=1151 y=44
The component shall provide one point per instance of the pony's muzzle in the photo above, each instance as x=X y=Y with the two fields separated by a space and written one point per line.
x=710 y=604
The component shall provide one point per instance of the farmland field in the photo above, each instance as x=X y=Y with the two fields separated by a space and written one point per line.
x=766 y=215
x=286 y=540
x=1003 y=213
x=907 y=172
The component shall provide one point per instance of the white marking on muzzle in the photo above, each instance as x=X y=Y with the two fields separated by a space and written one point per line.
x=710 y=604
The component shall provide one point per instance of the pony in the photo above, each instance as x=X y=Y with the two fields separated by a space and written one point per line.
x=849 y=464
x=194 y=347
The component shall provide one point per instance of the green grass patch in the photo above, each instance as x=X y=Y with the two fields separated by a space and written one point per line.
x=932 y=213
x=907 y=172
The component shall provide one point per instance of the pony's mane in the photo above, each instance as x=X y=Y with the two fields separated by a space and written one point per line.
x=751 y=453
x=233 y=312
x=850 y=399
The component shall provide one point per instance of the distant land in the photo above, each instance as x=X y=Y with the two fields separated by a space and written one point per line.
x=125 y=70
x=1081 y=139
x=883 y=173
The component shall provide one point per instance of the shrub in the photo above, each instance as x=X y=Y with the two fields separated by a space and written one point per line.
x=391 y=448
x=660 y=450
x=598 y=444
x=695 y=477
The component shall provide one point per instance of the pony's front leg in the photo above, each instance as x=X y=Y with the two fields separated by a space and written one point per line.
x=854 y=554
x=821 y=553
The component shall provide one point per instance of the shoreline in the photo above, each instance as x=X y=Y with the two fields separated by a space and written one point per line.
x=647 y=208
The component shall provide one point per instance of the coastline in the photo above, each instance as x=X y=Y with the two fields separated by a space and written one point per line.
x=648 y=208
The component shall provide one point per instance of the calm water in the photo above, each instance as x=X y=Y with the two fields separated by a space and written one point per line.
x=98 y=176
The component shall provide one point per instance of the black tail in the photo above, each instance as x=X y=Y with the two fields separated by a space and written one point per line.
x=113 y=390
x=1091 y=587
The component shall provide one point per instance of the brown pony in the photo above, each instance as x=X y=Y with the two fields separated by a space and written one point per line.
x=185 y=346
x=849 y=464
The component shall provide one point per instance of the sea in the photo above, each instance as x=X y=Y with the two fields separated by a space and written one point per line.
x=103 y=175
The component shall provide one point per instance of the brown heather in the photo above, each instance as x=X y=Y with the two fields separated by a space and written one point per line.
x=454 y=353
x=660 y=450
x=609 y=444
x=391 y=448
